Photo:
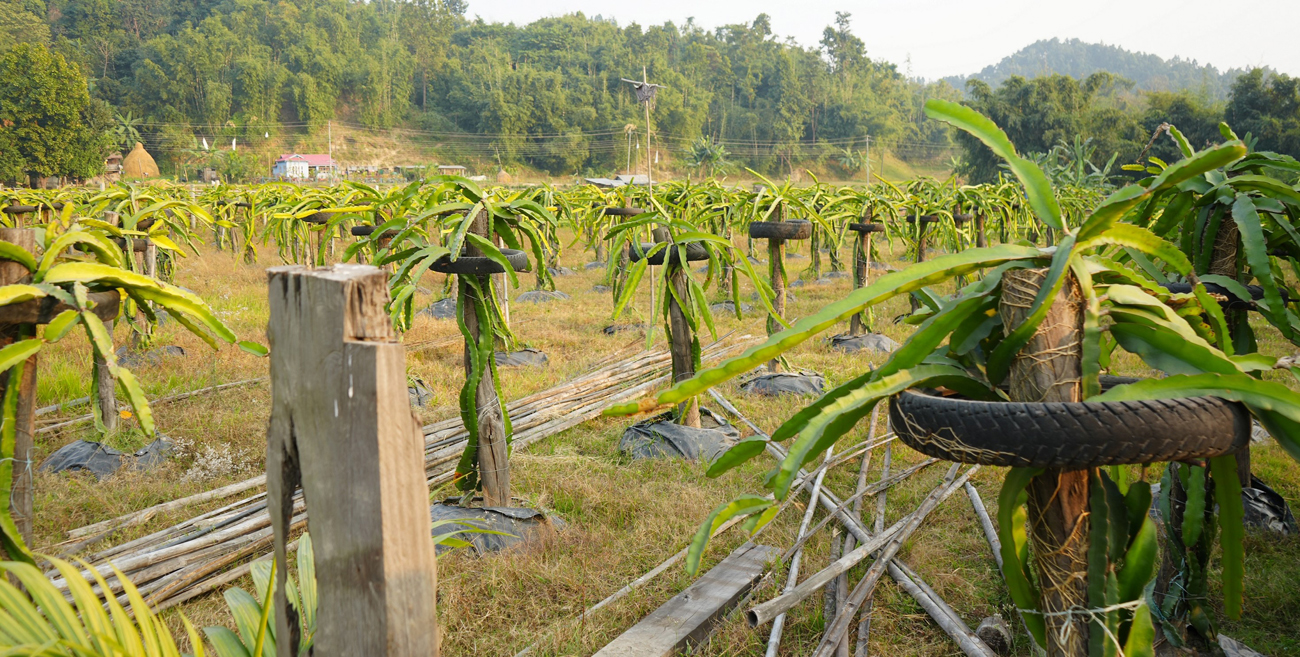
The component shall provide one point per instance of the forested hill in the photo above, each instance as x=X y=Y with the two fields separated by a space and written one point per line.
x=1079 y=59
x=258 y=70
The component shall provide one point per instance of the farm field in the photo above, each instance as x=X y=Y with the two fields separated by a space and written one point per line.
x=1026 y=295
x=624 y=516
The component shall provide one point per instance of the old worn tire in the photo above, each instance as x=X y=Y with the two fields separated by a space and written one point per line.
x=366 y=231
x=925 y=219
x=318 y=218
x=1070 y=436
x=624 y=212
x=960 y=218
x=19 y=209
x=694 y=253
x=867 y=228
x=479 y=265
x=1233 y=302
x=795 y=229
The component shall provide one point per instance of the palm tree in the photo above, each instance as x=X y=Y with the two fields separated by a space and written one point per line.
x=125 y=131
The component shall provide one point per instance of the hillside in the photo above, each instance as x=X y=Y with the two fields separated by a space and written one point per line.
x=1079 y=59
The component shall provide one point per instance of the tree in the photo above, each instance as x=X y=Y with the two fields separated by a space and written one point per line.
x=48 y=124
x=1268 y=109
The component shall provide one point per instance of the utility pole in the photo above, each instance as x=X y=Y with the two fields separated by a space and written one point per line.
x=645 y=94
x=868 y=159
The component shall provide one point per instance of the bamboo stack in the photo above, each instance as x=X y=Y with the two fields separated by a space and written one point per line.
x=206 y=552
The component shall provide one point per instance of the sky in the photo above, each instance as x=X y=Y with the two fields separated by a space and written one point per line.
x=960 y=37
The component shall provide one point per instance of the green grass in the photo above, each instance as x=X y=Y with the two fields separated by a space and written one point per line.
x=624 y=517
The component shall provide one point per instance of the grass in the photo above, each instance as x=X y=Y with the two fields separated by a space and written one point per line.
x=624 y=517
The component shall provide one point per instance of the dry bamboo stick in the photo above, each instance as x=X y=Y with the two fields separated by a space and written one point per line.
x=144 y=515
x=938 y=609
x=990 y=532
x=778 y=623
x=835 y=632
x=842 y=584
x=161 y=400
x=195 y=536
x=855 y=527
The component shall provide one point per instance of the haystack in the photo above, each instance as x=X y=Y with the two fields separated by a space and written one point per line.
x=139 y=164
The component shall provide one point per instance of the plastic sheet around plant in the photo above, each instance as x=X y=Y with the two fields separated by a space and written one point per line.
x=104 y=461
x=523 y=525
x=522 y=358
x=660 y=437
x=441 y=309
x=873 y=342
x=785 y=383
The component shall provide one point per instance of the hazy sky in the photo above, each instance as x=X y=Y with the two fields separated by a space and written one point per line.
x=952 y=37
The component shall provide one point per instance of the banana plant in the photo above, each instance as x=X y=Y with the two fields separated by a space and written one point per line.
x=71 y=281
x=962 y=345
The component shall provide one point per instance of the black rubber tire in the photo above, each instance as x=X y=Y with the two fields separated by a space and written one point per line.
x=960 y=218
x=318 y=218
x=480 y=266
x=1233 y=303
x=19 y=209
x=925 y=219
x=1070 y=436
x=867 y=228
x=795 y=229
x=624 y=212
x=695 y=252
x=366 y=231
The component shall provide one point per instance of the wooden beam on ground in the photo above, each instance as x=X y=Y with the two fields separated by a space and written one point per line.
x=689 y=618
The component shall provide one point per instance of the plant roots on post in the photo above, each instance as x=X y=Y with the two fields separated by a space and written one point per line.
x=861 y=274
x=1049 y=369
x=776 y=266
x=682 y=348
x=494 y=466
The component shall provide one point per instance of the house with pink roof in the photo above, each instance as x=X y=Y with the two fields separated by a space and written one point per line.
x=303 y=166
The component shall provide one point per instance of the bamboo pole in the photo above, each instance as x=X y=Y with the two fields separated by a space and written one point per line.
x=778 y=622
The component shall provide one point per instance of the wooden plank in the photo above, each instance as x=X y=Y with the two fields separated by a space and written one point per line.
x=41 y=311
x=690 y=617
x=341 y=425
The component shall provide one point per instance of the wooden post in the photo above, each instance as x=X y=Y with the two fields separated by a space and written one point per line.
x=1223 y=262
x=861 y=271
x=1049 y=369
x=493 y=462
x=683 y=363
x=981 y=240
x=776 y=267
x=341 y=428
x=20 y=501
x=104 y=381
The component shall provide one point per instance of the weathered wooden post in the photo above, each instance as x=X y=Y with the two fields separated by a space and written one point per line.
x=493 y=452
x=1050 y=369
x=342 y=428
x=104 y=382
x=682 y=353
x=777 y=233
x=862 y=262
x=20 y=501
x=922 y=222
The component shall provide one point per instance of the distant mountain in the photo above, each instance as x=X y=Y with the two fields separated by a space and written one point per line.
x=1078 y=59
